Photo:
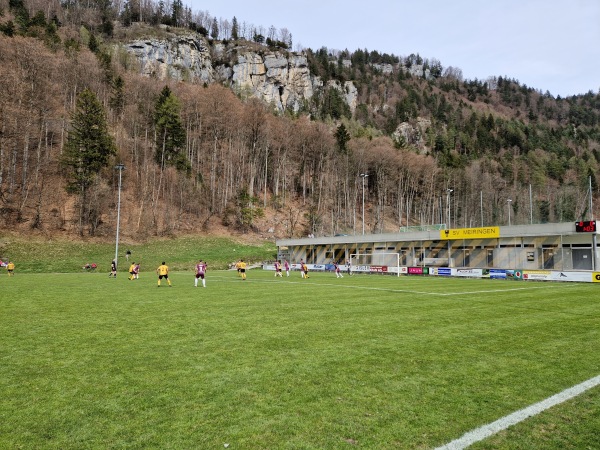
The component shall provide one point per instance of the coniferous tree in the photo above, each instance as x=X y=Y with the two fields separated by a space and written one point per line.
x=177 y=12
x=160 y=12
x=88 y=149
x=170 y=132
x=93 y=44
x=342 y=137
x=21 y=14
x=234 y=29
x=214 y=30
x=8 y=29
x=117 y=98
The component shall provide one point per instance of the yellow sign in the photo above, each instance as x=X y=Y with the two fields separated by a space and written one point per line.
x=470 y=233
x=596 y=277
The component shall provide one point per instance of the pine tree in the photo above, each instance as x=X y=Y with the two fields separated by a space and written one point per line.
x=88 y=149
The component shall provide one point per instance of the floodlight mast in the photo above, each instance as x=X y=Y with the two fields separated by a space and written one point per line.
x=448 y=192
x=120 y=168
x=449 y=243
x=363 y=176
x=594 y=236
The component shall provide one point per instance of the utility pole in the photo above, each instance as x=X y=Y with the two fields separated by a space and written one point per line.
x=120 y=168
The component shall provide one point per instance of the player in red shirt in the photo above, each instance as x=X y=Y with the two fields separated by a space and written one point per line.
x=338 y=272
x=200 y=272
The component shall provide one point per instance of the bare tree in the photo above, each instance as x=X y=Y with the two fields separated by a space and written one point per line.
x=225 y=29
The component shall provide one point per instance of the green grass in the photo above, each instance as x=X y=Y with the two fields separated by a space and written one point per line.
x=373 y=362
x=34 y=255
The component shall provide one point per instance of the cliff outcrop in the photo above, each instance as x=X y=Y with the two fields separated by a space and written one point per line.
x=282 y=79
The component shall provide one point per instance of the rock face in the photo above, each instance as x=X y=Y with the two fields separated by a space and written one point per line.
x=181 y=58
x=281 y=79
x=413 y=133
x=385 y=69
x=348 y=91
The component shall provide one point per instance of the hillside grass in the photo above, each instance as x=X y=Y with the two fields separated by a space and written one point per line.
x=37 y=255
x=367 y=361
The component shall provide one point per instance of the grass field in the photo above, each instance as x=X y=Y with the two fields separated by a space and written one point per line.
x=374 y=362
x=41 y=255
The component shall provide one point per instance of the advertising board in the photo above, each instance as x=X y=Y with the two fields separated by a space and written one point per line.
x=498 y=274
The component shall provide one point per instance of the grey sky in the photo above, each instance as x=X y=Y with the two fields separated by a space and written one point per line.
x=549 y=45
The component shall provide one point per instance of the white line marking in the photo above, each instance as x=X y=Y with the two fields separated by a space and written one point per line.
x=503 y=423
x=405 y=291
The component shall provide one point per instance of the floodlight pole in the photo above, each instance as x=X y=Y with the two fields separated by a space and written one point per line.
x=120 y=168
x=594 y=236
x=509 y=202
x=363 y=176
x=448 y=192
x=449 y=242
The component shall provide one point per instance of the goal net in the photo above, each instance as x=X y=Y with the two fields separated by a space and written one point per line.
x=385 y=263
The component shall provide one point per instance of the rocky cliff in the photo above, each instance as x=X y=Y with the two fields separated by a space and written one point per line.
x=281 y=79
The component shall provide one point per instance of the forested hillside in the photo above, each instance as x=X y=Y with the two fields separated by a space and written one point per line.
x=201 y=157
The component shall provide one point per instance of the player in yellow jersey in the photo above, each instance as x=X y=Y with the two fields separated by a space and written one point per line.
x=10 y=269
x=163 y=272
x=131 y=271
x=242 y=269
x=304 y=270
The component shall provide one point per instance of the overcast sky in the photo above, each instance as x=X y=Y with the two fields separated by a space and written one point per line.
x=549 y=45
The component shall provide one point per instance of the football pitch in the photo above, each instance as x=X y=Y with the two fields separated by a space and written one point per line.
x=368 y=361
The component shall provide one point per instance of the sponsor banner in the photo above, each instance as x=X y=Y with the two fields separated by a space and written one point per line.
x=268 y=267
x=497 y=273
x=418 y=270
x=596 y=277
x=512 y=274
x=538 y=275
x=468 y=273
x=316 y=267
x=470 y=233
x=379 y=269
x=440 y=271
x=394 y=269
x=361 y=269
x=572 y=276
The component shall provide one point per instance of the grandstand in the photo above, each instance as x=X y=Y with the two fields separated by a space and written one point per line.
x=551 y=246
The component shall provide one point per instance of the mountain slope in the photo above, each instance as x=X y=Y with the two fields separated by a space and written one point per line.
x=415 y=128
